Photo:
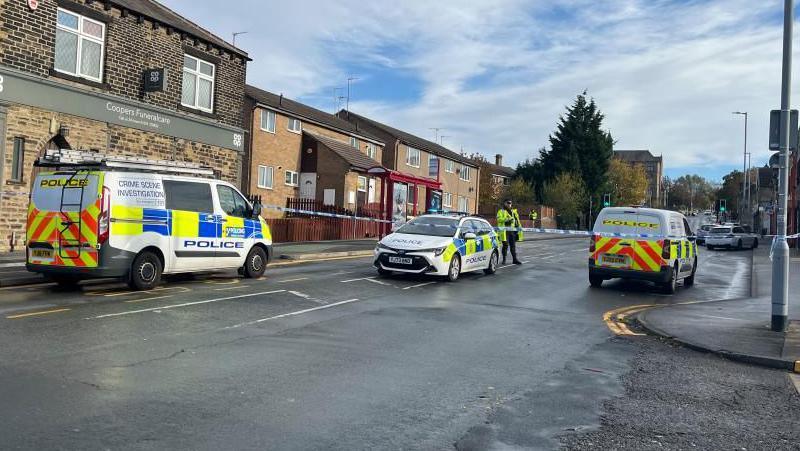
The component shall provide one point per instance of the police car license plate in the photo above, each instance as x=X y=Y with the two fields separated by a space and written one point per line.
x=42 y=253
x=401 y=260
x=615 y=260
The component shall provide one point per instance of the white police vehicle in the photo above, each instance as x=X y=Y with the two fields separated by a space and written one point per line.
x=439 y=244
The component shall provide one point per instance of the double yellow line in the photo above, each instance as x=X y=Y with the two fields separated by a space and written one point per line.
x=615 y=319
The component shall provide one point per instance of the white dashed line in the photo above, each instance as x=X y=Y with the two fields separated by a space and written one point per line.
x=186 y=304
x=299 y=312
x=419 y=285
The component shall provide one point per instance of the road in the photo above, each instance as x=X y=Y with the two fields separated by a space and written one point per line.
x=326 y=355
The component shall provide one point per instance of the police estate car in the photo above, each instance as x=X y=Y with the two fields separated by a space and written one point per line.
x=439 y=244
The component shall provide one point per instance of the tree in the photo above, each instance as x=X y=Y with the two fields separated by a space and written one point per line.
x=579 y=146
x=531 y=171
x=566 y=194
x=690 y=192
x=731 y=191
x=627 y=183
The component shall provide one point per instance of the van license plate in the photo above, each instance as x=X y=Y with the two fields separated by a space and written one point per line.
x=42 y=253
x=612 y=259
x=400 y=260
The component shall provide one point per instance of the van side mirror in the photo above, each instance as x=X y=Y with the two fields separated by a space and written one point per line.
x=692 y=238
x=256 y=210
x=469 y=236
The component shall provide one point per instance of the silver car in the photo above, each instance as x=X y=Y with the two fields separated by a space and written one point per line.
x=703 y=232
x=731 y=237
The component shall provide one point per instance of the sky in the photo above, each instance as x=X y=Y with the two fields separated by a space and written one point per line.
x=496 y=75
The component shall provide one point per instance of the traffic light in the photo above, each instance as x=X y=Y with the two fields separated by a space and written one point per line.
x=606 y=200
x=722 y=206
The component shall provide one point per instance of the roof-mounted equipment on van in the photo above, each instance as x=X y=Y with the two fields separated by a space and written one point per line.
x=69 y=157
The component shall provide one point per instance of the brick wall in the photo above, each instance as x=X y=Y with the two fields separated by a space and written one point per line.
x=28 y=44
x=33 y=124
x=451 y=183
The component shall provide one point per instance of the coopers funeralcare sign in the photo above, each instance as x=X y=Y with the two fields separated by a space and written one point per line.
x=25 y=89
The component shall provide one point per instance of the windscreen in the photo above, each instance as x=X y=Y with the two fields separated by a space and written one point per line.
x=48 y=187
x=629 y=222
x=720 y=230
x=430 y=226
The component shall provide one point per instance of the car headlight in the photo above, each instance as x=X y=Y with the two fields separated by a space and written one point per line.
x=439 y=251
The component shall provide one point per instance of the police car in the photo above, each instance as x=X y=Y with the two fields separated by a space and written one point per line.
x=135 y=219
x=439 y=244
x=654 y=245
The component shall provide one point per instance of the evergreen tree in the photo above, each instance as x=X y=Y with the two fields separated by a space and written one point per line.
x=579 y=145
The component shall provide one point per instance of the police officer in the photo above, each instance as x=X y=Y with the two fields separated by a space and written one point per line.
x=508 y=218
x=534 y=216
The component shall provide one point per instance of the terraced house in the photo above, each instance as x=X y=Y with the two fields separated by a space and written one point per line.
x=294 y=151
x=423 y=175
x=122 y=77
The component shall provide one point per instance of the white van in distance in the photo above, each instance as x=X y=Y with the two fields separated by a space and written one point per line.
x=93 y=216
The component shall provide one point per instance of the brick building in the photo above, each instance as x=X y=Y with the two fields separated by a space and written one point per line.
x=72 y=75
x=653 y=167
x=295 y=151
x=495 y=180
x=444 y=179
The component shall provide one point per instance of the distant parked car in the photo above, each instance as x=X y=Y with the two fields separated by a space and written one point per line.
x=703 y=232
x=731 y=237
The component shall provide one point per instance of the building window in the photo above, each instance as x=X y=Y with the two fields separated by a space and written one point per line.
x=295 y=125
x=449 y=166
x=464 y=174
x=80 y=43
x=268 y=121
x=447 y=200
x=412 y=157
x=198 y=84
x=362 y=184
x=433 y=166
x=412 y=193
x=265 y=176
x=372 y=151
x=291 y=178
x=18 y=159
x=463 y=204
x=354 y=142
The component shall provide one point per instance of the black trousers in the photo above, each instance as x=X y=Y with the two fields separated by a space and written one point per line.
x=511 y=242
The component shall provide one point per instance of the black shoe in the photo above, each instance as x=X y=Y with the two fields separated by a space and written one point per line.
x=504 y=261
x=517 y=262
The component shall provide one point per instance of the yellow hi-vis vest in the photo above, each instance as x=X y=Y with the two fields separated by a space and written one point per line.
x=502 y=217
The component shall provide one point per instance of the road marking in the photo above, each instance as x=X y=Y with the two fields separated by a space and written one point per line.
x=299 y=312
x=148 y=299
x=292 y=280
x=12 y=265
x=223 y=282
x=368 y=279
x=185 y=304
x=419 y=285
x=237 y=287
x=43 y=312
x=614 y=318
x=307 y=297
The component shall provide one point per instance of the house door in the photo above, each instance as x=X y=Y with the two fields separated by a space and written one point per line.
x=308 y=185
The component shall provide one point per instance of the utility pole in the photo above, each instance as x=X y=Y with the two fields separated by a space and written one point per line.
x=744 y=168
x=349 y=79
x=780 y=260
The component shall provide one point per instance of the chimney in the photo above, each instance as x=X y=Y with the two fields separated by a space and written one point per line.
x=498 y=159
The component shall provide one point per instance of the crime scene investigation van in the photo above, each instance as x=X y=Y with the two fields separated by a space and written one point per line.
x=92 y=215
x=659 y=247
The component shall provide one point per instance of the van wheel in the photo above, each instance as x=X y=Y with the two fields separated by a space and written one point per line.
x=595 y=281
x=689 y=281
x=672 y=284
x=492 y=268
x=755 y=244
x=145 y=271
x=65 y=282
x=455 y=269
x=256 y=263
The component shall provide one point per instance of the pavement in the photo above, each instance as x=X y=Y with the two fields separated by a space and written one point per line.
x=328 y=355
x=736 y=327
x=13 y=272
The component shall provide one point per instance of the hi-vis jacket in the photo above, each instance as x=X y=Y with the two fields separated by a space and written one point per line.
x=502 y=217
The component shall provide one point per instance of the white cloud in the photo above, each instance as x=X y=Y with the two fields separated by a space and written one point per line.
x=667 y=74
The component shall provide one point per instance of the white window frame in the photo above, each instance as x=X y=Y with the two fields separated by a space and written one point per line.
x=81 y=37
x=447 y=200
x=372 y=151
x=409 y=159
x=299 y=123
x=266 y=169
x=466 y=204
x=449 y=166
x=464 y=170
x=354 y=142
x=199 y=75
x=358 y=184
x=269 y=114
x=432 y=157
x=294 y=178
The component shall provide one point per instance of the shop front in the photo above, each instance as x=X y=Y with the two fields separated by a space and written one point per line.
x=402 y=198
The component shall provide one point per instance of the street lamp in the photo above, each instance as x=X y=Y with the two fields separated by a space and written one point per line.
x=744 y=167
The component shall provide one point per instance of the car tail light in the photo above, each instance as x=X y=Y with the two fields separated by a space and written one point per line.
x=104 y=218
x=666 y=249
x=593 y=243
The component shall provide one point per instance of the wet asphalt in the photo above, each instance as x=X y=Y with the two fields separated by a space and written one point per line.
x=327 y=356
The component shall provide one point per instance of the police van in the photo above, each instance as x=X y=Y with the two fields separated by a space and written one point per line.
x=651 y=244
x=439 y=244
x=92 y=215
